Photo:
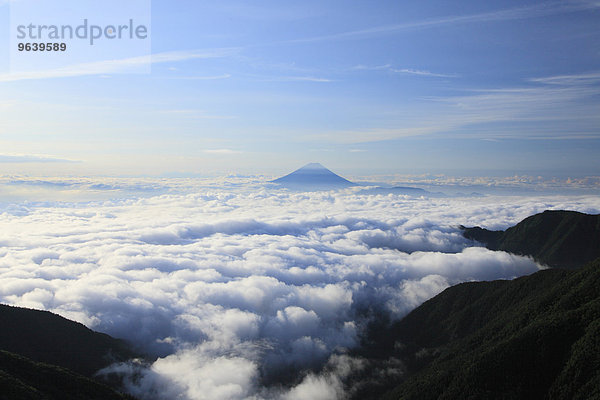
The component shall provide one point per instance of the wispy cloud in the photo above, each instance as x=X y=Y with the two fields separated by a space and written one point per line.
x=535 y=11
x=197 y=114
x=124 y=65
x=378 y=134
x=297 y=79
x=574 y=79
x=420 y=72
x=558 y=107
x=362 y=67
x=407 y=71
x=202 y=78
x=306 y=79
x=222 y=151
x=32 y=158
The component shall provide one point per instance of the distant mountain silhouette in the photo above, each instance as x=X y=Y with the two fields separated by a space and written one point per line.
x=313 y=176
x=565 y=239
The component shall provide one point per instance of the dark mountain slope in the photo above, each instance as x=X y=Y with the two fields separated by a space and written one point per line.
x=23 y=379
x=49 y=338
x=559 y=239
x=534 y=337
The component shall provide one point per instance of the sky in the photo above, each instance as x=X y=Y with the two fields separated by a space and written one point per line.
x=233 y=280
x=363 y=87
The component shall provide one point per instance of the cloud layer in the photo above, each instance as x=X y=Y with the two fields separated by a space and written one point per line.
x=237 y=290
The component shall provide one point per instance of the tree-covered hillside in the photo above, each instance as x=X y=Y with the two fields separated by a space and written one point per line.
x=559 y=239
x=23 y=379
x=46 y=337
x=45 y=356
x=534 y=337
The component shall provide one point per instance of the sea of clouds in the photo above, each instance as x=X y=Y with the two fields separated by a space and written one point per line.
x=239 y=290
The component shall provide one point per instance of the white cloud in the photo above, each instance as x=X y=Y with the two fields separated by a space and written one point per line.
x=201 y=78
x=32 y=158
x=296 y=79
x=305 y=78
x=570 y=80
x=362 y=67
x=222 y=151
x=555 y=103
x=421 y=72
x=408 y=71
x=124 y=65
x=237 y=288
x=195 y=114
x=508 y=14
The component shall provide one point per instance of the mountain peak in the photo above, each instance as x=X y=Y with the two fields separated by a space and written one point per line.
x=314 y=165
x=313 y=176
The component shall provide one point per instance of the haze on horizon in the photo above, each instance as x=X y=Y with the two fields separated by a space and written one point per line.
x=466 y=87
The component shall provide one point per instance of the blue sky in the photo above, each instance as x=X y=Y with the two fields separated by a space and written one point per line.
x=364 y=87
